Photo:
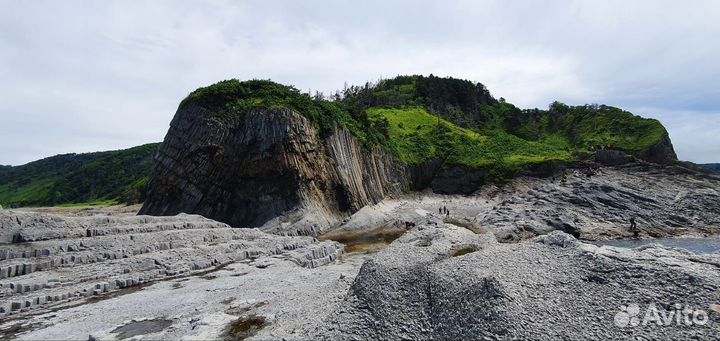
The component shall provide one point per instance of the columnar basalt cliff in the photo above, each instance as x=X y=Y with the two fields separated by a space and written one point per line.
x=270 y=168
x=261 y=154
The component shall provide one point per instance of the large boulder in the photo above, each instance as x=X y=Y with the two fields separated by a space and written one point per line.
x=557 y=288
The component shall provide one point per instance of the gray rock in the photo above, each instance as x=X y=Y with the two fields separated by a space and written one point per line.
x=123 y=252
x=526 y=291
x=270 y=168
x=557 y=238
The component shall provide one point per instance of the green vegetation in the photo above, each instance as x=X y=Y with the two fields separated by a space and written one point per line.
x=232 y=99
x=593 y=125
x=418 y=118
x=459 y=122
x=470 y=105
x=84 y=179
x=417 y=137
x=92 y=203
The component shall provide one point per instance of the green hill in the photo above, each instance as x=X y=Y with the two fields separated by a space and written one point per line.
x=417 y=137
x=417 y=118
x=113 y=176
x=470 y=105
x=456 y=121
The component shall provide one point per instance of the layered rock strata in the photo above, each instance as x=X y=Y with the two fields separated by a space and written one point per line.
x=51 y=260
x=664 y=201
x=438 y=281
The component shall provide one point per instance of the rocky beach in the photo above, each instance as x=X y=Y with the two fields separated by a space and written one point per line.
x=312 y=219
x=436 y=281
x=504 y=264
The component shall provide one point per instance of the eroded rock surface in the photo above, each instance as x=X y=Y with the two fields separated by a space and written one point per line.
x=438 y=281
x=270 y=168
x=47 y=260
x=555 y=288
x=666 y=201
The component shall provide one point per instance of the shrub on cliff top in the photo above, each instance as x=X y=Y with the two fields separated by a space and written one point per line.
x=232 y=99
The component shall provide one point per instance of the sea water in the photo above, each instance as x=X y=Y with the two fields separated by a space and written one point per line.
x=696 y=245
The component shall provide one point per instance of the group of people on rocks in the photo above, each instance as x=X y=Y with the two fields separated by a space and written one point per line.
x=408 y=224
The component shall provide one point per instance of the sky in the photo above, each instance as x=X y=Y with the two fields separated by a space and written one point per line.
x=82 y=76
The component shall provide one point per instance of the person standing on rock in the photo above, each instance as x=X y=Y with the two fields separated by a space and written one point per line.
x=447 y=212
x=633 y=227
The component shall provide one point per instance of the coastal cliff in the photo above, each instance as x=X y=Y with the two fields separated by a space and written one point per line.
x=270 y=168
x=261 y=154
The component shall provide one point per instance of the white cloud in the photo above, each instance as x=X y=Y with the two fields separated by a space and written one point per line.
x=84 y=76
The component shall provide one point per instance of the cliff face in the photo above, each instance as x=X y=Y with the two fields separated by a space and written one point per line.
x=268 y=169
x=303 y=170
x=271 y=169
x=663 y=152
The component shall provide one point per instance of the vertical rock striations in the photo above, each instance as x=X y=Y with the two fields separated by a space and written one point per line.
x=269 y=168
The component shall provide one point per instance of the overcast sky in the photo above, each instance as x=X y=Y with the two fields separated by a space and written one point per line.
x=80 y=76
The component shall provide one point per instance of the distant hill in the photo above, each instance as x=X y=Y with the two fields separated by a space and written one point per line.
x=119 y=175
x=713 y=167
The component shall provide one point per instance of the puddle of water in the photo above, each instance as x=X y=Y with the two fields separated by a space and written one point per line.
x=244 y=327
x=695 y=245
x=136 y=328
x=365 y=241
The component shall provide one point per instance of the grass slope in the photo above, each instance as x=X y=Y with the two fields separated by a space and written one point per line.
x=421 y=118
x=470 y=105
x=416 y=136
x=102 y=177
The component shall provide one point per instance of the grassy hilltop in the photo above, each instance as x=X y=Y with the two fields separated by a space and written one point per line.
x=457 y=121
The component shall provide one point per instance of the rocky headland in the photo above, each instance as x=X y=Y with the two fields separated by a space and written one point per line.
x=269 y=169
x=415 y=208
x=282 y=171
